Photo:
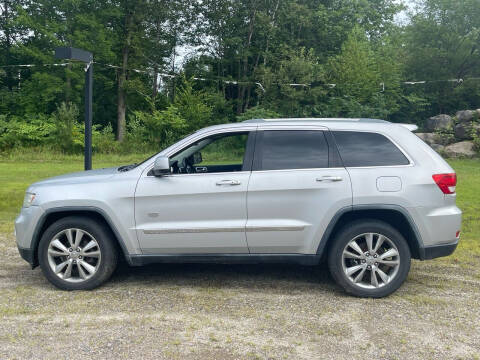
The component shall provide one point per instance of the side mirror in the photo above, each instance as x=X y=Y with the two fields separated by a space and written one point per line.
x=161 y=166
x=197 y=158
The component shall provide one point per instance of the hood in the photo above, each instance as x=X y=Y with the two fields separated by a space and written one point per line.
x=79 y=177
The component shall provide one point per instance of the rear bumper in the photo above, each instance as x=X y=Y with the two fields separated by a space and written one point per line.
x=435 y=251
x=437 y=225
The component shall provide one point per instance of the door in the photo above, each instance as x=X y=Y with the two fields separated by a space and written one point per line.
x=294 y=191
x=200 y=208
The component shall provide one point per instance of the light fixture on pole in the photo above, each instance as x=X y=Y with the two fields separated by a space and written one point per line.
x=71 y=53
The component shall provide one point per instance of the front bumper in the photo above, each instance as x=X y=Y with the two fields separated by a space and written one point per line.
x=25 y=225
x=27 y=255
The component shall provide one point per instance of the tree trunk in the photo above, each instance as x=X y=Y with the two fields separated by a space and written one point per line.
x=239 y=90
x=122 y=78
x=155 y=83
x=68 y=84
x=8 y=44
x=158 y=27
x=272 y=22
x=249 y=91
x=121 y=95
x=242 y=89
x=174 y=58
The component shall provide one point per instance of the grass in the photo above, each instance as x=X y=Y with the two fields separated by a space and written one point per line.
x=19 y=170
x=468 y=200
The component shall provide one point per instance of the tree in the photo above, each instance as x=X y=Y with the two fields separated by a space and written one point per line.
x=131 y=26
x=443 y=42
x=291 y=83
x=8 y=37
x=367 y=80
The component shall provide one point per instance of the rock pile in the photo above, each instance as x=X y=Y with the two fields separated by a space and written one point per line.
x=455 y=136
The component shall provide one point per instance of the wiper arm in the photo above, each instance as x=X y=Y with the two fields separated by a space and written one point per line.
x=127 y=167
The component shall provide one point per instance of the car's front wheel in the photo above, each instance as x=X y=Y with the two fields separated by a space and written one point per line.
x=77 y=253
x=369 y=258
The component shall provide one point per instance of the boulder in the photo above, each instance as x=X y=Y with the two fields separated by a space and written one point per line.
x=429 y=138
x=465 y=116
x=460 y=149
x=463 y=131
x=438 y=122
x=436 y=138
x=437 y=147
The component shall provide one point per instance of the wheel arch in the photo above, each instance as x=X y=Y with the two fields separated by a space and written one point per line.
x=394 y=215
x=54 y=214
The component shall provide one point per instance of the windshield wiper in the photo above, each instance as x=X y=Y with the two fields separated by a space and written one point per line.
x=127 y=167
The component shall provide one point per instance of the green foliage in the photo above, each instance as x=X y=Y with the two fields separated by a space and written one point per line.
x=476 y=135
x=67 y=135
x=104 y=141
x=32 y=130
x=300 y=68
x=367 y=80
x=192 y=107
x=60 y=131
x=160 y=128
x=40 y=92
x=355 y=69
x=258 y=112
x=249 y=56
x=441 y=42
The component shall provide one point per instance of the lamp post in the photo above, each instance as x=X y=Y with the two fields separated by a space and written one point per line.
x=71 y=53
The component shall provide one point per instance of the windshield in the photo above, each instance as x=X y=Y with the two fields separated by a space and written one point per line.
x=133 y=166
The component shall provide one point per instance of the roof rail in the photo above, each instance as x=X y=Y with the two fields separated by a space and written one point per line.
x=411 y=127
x=318 y=119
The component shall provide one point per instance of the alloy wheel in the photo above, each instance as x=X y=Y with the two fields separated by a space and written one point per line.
x=74 y=255
x=370 y=260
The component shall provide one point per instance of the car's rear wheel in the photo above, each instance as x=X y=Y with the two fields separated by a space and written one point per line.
x=369 y=258
x=77 y=253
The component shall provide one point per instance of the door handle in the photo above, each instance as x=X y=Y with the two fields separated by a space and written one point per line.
x=330 y=178
x=228 y=182
x=201 y=169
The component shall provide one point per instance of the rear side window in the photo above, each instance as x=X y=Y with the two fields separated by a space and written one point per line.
x=367 y=149
x=297 y=149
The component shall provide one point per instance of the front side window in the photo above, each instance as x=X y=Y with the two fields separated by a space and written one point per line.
x=213 y=154
x=367 y=149
x=297 y=149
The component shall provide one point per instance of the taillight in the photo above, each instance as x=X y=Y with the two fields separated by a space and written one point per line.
x=446 y=182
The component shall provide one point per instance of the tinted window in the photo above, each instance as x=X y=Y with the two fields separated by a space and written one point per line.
x=367 y=149
x=293 y=150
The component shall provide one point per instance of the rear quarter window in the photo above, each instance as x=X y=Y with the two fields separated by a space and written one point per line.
x=368 y=149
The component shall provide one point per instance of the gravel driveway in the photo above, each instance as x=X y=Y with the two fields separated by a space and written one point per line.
x=237 y=312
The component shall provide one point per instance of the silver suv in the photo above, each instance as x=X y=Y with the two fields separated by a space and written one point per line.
x=365 y=195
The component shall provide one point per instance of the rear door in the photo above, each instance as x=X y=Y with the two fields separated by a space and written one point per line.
x=296 y=187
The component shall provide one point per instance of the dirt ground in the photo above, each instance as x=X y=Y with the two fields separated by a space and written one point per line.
x=237 y=312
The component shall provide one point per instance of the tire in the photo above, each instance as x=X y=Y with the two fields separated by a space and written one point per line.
x=352 y=266
x=85 y=269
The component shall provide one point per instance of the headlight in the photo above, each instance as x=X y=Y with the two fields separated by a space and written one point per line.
x=28 y=200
